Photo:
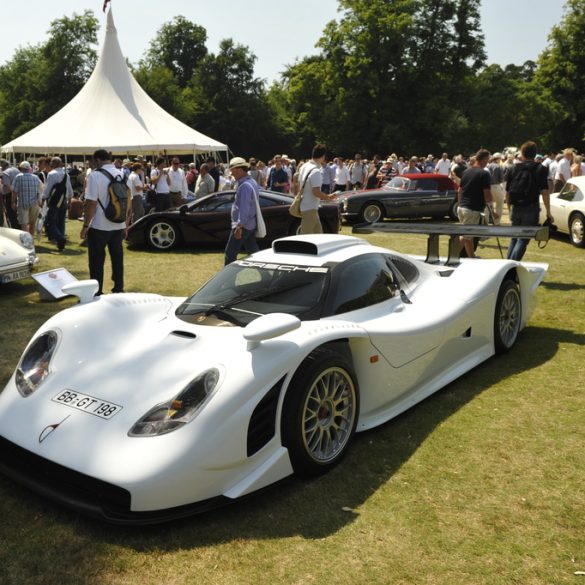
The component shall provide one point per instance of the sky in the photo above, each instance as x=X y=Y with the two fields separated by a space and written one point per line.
x=515 y=31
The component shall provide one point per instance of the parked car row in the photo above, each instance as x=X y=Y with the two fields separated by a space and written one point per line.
x=207 y=221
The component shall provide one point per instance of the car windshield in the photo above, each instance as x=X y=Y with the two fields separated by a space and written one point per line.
x=400 y=183
x=245 y=290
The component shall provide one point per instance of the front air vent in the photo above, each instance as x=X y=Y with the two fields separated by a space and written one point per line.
x=263 y=420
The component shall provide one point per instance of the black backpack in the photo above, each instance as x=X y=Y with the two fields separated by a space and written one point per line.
x=119 y=195
x=523 y=184
x=58 y=192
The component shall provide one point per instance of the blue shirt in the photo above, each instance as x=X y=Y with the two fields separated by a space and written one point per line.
x=27 y=188
x=244 y=207
x=328 y=173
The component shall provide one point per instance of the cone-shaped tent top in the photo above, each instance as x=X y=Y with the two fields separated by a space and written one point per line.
x=113 y=112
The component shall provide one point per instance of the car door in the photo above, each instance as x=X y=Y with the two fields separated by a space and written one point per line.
x=209 y=220
x=567 y=200
x=366 y=290
x=425 y=198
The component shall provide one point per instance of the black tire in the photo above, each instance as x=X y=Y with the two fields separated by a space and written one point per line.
x=453 y=210
x=508 y=316
x=576 y=224
x=162 y=235
x=320 y=412
x=371 y=212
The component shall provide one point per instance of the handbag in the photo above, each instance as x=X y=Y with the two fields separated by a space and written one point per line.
x=295 y=206
x=260 y=225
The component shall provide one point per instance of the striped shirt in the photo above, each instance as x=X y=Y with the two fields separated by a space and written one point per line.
x=27 y=188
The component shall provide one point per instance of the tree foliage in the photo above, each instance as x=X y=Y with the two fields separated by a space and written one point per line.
x=179 y=46
x=41 y=79
x=561 y=75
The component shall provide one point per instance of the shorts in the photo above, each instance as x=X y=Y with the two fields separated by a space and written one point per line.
x=468 y=217
x=28 y=214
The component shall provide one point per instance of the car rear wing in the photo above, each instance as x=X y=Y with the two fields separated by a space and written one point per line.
x=454 y=231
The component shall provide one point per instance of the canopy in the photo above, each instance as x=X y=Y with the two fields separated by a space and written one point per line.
x=113 y=112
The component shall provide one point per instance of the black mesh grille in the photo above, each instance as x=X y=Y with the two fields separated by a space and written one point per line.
x=263 y=420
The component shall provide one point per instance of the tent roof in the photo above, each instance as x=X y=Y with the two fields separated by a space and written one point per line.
x=113 y=112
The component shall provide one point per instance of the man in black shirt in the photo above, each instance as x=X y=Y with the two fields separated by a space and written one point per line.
x=526 y=181
x=473 y=195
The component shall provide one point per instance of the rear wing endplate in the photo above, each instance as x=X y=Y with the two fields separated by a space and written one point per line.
x=454 y=231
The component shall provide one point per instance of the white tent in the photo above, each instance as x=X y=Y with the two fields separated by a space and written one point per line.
x=113 y=112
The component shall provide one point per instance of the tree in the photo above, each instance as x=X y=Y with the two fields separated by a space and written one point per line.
x=179 y=46
x=561 y=74
x=41 y=79
x=226 y=101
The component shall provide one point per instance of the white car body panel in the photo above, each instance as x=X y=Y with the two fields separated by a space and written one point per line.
x=16 y=259
x=132 y=350
x=570 y=200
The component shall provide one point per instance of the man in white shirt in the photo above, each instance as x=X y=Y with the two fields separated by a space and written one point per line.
x=160 y=180
x=444 y=165
x=178 y=187
x=563 y=170
x=310 y=179
x=98 y=229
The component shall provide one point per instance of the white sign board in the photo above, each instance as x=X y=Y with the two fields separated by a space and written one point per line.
x=52 y=283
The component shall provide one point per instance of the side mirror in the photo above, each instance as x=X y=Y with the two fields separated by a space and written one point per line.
x=183 y=209
x=269 y=326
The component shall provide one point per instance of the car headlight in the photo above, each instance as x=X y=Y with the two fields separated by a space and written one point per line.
x=34 y=364
x=27 y=240
x=175 y=413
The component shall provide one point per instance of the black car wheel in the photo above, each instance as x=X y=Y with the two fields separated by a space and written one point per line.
x=453 y=210
x=320 y=412
x=162 y=235
x=372 y=212
x=507 y=317
x=576 y=230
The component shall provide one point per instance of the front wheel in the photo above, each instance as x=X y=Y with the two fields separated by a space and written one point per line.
x=162 y=235
x=576 y=230
x=320 y=412
x=507 y=317
x=372 y=212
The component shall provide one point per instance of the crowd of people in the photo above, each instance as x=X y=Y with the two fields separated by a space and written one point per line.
x=48 y=190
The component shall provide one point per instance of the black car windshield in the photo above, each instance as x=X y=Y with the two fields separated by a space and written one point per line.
x=246 y=289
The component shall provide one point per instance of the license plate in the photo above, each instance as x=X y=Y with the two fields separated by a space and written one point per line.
x=89 y=404
x=14 y=275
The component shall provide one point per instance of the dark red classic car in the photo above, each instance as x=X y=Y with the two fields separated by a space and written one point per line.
x=207 y=221
x=412 y=195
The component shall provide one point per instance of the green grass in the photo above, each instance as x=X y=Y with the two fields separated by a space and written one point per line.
x=483 y=483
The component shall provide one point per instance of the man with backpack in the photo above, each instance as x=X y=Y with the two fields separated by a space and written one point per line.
x=526 y=181
x=105 y=216
x=57 y=192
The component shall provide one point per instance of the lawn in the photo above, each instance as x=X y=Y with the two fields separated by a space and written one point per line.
x=483 y=483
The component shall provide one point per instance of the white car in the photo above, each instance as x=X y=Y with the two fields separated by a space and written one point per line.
x=17 y=254
x=568 y=209
x=139 y=408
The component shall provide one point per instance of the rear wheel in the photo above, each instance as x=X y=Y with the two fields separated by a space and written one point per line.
x=453 y=210
x=576 y=230
x=372 y=212
x=507 y=317
x=162 y=235
x=320 y=412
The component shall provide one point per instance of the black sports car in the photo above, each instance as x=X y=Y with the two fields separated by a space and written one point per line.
x=412 y=195
x=207 y=221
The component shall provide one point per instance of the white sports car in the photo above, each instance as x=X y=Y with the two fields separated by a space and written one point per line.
x=568 y=209
x=17 y=254
x=140 y=408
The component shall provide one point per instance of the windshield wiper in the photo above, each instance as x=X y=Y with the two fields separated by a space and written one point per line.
x=251 y=296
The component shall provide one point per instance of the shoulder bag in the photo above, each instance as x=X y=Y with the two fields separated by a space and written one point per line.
x=295 y=206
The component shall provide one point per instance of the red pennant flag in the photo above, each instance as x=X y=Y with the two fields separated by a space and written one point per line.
x=106 y=2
